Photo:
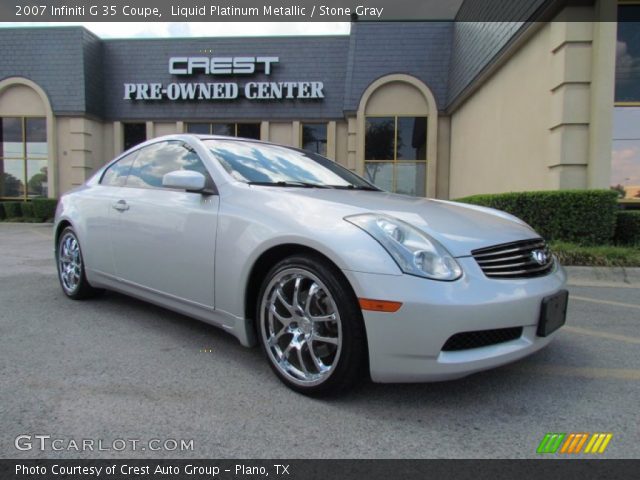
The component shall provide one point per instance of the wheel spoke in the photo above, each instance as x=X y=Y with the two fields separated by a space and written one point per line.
x=296 y=293
x=301 y=360
x=323 y=318
x=292 y=370
x=318 y=363
x=283 y=320
x=280 y=296
x=286 y=351
x=313 y=290
x=319 y=338
x=273 y=339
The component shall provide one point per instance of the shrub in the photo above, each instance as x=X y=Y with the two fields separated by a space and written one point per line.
x=44 y=208
x=601 y=256
x=627 y=228
x=27 y=209
x=12 y=210
x=586 y=217
x=2 y=214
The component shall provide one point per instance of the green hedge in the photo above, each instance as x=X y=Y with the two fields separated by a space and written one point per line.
x=598 y=256
x=12 y=209
x=586 y=217
x=44 y=208
x=27 y=209
x=36 y=210
x=627 y=228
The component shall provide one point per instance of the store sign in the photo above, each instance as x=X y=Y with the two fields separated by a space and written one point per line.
x=212 y=66
x=220 y=65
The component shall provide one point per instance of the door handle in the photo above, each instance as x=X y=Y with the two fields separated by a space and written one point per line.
x=121 y=205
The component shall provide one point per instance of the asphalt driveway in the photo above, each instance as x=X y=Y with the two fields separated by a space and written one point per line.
x=116 y=368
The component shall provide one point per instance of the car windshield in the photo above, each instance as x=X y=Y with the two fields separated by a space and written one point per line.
x=264 y=164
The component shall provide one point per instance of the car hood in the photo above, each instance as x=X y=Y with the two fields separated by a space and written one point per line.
x=461 y=228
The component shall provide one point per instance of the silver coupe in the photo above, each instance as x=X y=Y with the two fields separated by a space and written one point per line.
x=336 y=279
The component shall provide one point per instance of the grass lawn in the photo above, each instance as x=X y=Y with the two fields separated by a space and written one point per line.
x=600 y=256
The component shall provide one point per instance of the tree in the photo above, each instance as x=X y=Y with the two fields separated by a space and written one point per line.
x=620 y=189
x=37 y=183
x=10 y=186
x=379 y=143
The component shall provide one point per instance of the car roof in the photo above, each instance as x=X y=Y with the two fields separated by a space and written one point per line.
x=201 y=137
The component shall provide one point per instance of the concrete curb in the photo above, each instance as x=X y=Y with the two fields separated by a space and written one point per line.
x=604 y=276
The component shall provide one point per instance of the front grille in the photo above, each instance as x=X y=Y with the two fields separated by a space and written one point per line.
x=481 y=338
x=523 y=259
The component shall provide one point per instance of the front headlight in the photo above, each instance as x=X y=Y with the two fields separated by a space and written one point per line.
x=415 y=252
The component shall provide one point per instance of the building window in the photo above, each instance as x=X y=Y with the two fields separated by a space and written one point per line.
x=134 y=134
x=199 y=128
x=396 y=154
x=628 y=55
x=314 y=138
x=23 y=157
x=625 y=160
x=248 y=130
x=244 y=130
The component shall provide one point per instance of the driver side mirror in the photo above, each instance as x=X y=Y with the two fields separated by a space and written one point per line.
x=188 y=180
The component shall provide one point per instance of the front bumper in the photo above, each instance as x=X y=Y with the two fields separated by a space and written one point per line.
x=406 y=346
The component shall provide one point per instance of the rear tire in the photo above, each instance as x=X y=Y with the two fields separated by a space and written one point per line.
x=71 y=268
x=310 y=327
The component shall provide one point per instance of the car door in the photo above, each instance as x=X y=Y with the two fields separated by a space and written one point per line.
x=98 y=220
x=164 y=238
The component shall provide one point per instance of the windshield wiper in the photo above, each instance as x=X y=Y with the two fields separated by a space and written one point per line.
x=356 y=187
x=289 y=183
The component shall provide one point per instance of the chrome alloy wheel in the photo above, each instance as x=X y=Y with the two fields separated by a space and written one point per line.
x=69 y=262
x=300 y=327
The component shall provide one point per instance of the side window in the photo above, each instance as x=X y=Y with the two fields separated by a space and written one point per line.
x=116 y=174
x=156 y=160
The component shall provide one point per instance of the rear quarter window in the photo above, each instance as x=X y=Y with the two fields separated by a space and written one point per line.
x=116 y=174
x=154 y=161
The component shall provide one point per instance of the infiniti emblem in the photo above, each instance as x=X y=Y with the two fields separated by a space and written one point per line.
x=540 y=256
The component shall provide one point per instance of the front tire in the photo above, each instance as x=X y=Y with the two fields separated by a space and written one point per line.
x=311 y=327
x=71 y=268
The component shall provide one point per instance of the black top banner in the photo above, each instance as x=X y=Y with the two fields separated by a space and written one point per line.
x=318 y=469
x=301 y=10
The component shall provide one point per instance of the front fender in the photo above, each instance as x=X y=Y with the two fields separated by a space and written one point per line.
x=240 y=244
